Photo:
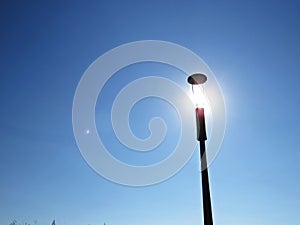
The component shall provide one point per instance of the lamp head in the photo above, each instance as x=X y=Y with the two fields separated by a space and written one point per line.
x=197 y=80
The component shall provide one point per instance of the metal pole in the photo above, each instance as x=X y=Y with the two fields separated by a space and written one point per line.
x=201 y=136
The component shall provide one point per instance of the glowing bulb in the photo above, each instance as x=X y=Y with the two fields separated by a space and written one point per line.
x=198 y=96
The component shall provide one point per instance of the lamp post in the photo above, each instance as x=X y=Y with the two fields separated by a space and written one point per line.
x=196 y=80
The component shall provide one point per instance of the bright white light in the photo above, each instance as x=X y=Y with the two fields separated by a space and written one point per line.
x=87 y=131
x=200 y=100
x=198 y=96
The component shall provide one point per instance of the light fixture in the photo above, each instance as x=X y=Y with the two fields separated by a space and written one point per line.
x=197 y=80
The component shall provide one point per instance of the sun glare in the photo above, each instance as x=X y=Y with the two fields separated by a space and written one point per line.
x=197 y=94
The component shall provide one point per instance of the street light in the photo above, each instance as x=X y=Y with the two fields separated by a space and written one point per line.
x=197 y=80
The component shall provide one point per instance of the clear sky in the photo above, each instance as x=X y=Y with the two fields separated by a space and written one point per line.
x=251 y=46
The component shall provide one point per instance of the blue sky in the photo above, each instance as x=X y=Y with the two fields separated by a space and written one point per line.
x=251 y=46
